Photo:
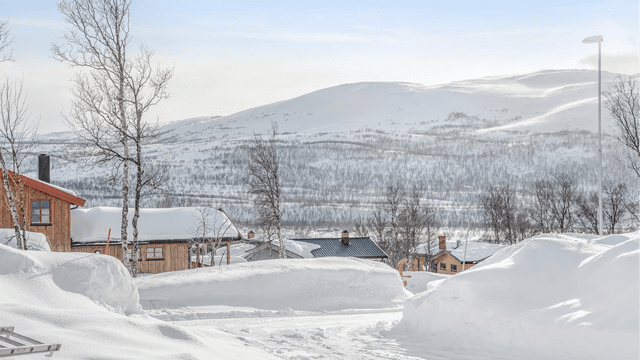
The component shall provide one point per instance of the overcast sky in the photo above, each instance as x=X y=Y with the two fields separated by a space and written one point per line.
x=233 y=55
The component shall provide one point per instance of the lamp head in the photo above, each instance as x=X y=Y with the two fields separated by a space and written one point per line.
x=593 y=39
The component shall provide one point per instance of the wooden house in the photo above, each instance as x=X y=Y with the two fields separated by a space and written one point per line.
x=47 y=209
x=165 y=236
x=449 y=261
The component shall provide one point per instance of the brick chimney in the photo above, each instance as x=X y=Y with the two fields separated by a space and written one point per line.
x=251 y=235
x=43 y=168
x=345 y=237
x=442 y=244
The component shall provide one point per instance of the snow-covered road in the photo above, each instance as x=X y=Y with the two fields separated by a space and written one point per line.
x=359 y=335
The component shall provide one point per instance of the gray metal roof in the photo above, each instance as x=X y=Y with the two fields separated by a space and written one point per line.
x=359 y=247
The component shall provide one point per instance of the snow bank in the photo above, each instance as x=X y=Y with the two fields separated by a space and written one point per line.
x=421 y=281
x=300 y=248
x=80 y=300
x=35 y=240
x=552 y=296
x=89 y=225
x=99 y=279
x=303 y=284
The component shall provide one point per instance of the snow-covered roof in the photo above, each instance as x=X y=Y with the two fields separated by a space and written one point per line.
x=476 y=251
x=92 y=225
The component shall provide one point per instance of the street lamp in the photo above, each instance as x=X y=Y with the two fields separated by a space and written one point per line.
x=590 y=40
x=466 y=241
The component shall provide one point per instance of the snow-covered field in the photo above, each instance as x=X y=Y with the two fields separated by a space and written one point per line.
x=550 y=297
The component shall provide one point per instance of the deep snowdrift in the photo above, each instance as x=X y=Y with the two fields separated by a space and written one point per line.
x=35 y=240
x=552 y=296
x=326 y=284
x=80 y=300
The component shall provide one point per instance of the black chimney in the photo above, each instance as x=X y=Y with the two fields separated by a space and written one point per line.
x=345 y=237
x=43 y=168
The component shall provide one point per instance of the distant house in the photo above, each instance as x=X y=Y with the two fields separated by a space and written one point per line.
x=449 y=261
x=346 y=246
x=267 y=251
x=164 y=239
x=48 y=207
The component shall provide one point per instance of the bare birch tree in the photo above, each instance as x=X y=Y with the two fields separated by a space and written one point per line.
x=145 y=88
x=111 y=100
x=623 y=103
x=6 y=40
x=16 y=137
x=264 y=183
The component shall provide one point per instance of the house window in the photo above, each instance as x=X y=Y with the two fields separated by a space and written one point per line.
x=97 y=252
x=40 y=212
x=454 y=268
x=154 y=253
x=129 y=254
x=443 y=266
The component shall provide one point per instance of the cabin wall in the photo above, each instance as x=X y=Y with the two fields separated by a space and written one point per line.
x=58 y=233
x=448 y=260
x=175 y=256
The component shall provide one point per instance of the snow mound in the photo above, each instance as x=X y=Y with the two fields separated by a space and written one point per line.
x=35 y=240
x=97 y=278
x=421 y=281
x=80 y=300
x=553 y=295
x=326 y=284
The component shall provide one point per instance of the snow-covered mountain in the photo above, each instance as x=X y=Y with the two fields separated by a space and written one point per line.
x=546 y=101
x=340 y=146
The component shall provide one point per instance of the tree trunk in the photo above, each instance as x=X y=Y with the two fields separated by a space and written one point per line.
x=12 y=205
x=136 y=211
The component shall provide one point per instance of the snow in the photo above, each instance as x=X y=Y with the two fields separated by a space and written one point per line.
x=92 y=225
x=476 y=250
x=421 y=281
x=35 y=240
x=326 y=284
x=301 y=248
x=551 y=296
x=89 y=304
x=544 y=101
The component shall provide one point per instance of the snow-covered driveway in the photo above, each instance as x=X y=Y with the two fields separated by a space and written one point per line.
x=349 y=335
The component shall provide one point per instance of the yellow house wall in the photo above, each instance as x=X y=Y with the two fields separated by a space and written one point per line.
x=448 y=260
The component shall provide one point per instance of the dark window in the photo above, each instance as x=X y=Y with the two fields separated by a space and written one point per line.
x=454 y=268
x=443 y=266
x=40 y=212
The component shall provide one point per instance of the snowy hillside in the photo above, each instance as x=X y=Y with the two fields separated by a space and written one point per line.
x=340 y=146
x=547 y=101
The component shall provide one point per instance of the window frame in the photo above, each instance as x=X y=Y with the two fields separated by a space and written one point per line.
x=443 y=266
x=40 y=223
x=454 y=268
x=155 y=253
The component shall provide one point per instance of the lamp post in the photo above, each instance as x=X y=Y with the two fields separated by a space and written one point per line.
x=590 y=40
x=466 y=241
